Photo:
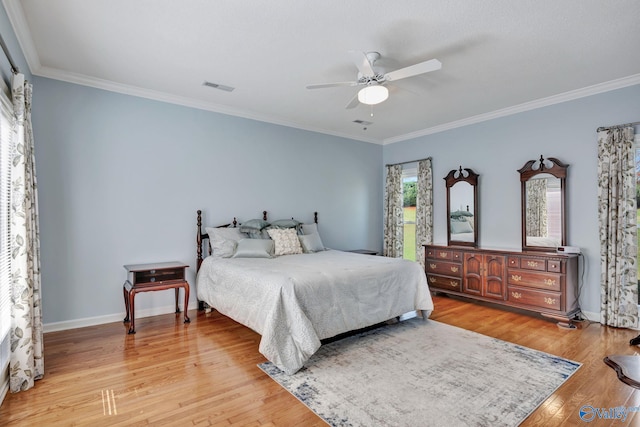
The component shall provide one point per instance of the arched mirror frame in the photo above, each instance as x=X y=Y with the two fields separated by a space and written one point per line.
x=470 y=177
x=529 y=171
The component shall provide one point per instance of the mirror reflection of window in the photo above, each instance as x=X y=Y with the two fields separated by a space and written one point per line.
x=543 y=215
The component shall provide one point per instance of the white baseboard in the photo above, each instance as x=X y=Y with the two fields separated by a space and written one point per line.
x=109 y=318
x=591 y=316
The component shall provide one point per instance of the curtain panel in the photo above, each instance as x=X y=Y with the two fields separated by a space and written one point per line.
x=393 y=229
x=424 y=209
x=26 y=361
x=617 y=214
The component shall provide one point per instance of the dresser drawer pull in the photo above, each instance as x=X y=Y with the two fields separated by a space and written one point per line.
x=516 y=295
x=454 y=269
x=432 y=279
x=453 y=283
x=152 y=271
x=554 y=266
x=153 y=279
x=432 y=266
x=549 y=282
x=550 y=301
x=532 y=263
x=443 y=254
x=516 y=278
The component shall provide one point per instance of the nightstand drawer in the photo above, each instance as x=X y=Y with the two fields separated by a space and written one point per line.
x=154 y=276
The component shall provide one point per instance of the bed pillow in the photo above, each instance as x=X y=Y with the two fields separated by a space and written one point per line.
x=254 y=248
x=311 y=243
x=286 y=241
x=309 y=228
x=461 y=227
x=285 y=223
x=253 y=227
x=224 y=240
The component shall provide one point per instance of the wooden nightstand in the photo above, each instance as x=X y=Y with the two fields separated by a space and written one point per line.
x=154 y=277
x=364 y=251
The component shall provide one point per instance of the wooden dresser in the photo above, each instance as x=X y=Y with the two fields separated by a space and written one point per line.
x=546 y=283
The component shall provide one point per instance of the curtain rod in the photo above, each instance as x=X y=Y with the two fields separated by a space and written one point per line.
x=410 y=161
x=14 y=68
x=617 y=126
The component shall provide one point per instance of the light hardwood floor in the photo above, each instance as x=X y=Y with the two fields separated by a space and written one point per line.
x=205 y=374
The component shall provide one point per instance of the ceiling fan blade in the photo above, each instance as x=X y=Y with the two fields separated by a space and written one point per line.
x=353 y=103
x=362 y=62
x=336 y=84
x=414 y=70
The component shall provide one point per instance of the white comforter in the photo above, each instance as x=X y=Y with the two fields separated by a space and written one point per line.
x=294 y=301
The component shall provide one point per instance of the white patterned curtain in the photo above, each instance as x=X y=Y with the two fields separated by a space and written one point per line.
x=618 y=223
x=424 y=209
x=393 y=229
x=537 y=207
x=26 y=362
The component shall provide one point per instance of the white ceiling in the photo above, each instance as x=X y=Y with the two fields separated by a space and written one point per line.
x=498 y=56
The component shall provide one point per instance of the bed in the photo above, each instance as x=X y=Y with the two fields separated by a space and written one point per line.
x=296 y=300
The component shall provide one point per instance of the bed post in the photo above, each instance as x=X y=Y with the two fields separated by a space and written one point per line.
x=264 y=215
x=199 y=241
x=315 y=217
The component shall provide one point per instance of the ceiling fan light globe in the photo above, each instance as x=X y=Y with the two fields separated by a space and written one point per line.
x=372 y=95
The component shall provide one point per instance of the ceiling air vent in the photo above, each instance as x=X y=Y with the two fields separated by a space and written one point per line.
x=363 y=122
x=218 y=86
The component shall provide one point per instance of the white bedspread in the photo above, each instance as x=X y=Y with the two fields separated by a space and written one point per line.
x=294 y=301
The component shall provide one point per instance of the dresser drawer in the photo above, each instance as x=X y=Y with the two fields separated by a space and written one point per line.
x=533 y=264
x=445 y=268
x=547 y=281
x=446 y=283
x=154 y=276
x=443 y=254
x=547 y=300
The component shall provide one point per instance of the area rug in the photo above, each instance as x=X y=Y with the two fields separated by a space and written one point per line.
x=424 y=373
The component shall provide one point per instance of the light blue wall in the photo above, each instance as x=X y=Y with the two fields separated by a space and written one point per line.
x=120 y=179
x=496 y=149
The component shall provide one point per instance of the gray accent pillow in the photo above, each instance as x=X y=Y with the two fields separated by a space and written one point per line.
x=253 y=225
x=285 y=223
x=309 y=228
x=311 y=243
x=254 y=248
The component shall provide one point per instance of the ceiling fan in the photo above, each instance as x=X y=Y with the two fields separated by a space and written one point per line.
x=374 y=78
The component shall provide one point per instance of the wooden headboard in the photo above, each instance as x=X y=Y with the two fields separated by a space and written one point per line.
x=201 y=237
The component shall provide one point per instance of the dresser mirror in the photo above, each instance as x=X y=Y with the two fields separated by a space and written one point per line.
x=543 y=204
x=462 y=207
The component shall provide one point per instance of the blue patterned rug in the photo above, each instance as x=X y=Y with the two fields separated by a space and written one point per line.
x=427 y=374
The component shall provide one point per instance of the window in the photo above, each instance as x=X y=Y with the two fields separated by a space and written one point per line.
x=6 y=114
x=409 y=192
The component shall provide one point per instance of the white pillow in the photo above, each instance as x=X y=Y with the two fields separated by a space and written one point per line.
x=224 y=240
x=311 y=243
x=286 y=241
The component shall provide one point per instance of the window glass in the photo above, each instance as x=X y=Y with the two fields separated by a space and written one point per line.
x=409 y=191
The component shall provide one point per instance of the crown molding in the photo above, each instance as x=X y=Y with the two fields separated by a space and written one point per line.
x=20 y=26
x=527 y=106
